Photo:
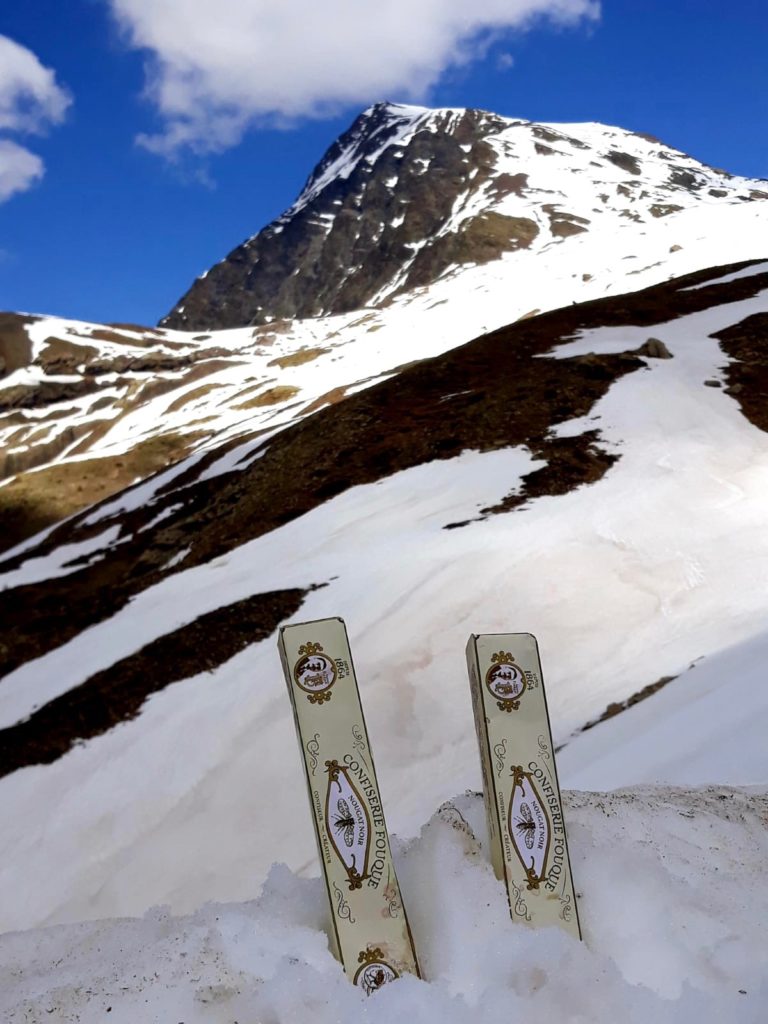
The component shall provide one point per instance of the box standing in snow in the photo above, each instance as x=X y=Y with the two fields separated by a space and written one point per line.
x=370 y=933
x=529 y=849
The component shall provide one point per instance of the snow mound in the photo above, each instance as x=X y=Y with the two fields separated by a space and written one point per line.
x=672 y=903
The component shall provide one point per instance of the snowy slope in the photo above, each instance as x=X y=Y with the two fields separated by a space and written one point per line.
x=660 y=562
x=672 y=902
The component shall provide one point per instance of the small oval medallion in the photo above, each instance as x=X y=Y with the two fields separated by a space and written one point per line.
x=374 y=971
x=506 y=681
x=314 y=673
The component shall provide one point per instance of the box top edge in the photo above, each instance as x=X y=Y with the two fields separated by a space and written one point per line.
x=311 y=622
x=478 y=636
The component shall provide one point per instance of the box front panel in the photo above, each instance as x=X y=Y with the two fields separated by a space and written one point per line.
x=370 y=927
x=528 y=809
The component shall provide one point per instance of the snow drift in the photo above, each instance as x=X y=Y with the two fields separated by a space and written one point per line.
x=672 y=901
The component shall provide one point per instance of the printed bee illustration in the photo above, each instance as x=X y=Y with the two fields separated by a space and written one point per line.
x=343 y=822
x=525 y=825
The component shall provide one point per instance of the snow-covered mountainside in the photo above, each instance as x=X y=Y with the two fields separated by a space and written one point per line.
x=672 y=903
x=408 y=196
x=86 y=409
x=418 y=231
x=595 y=475
x=483 y=376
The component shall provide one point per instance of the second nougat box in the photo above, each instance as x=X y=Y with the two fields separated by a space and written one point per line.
x=526 y=827
x=370 y=933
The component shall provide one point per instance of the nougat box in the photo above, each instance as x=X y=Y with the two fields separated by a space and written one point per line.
x=370 y=932
x=526 y=827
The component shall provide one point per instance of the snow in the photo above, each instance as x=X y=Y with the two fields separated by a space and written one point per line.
x=737 y=275
x=672 y=902
x=422 y=499
x=718 y=706
x=59 y=561
x=141 y=494
x=405 y=118
x=236 y=458
x=177 y=559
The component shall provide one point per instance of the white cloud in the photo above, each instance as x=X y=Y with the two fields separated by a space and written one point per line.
x=505 y=61
x=215 y=67
x=30 y=101
x=19 y=169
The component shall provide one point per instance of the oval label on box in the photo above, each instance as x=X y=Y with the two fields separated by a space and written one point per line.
x=506 y=681
x=348 y=824
x=314 y=673
x=374 y=971
x=529 y=827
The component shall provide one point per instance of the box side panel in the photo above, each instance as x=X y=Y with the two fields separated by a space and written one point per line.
x=530 y=813
x=486 y=766
x=556 y=781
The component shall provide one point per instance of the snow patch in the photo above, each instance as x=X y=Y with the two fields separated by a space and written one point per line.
x=672 y=903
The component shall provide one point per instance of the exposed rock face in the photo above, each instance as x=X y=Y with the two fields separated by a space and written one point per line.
x=351 y=234
x=15 y=346
x=407 y=193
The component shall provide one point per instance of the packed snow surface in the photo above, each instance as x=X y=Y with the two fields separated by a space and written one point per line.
x=672 y=902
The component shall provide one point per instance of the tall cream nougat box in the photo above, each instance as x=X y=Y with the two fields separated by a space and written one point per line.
x=370 y=933
x=529 y=848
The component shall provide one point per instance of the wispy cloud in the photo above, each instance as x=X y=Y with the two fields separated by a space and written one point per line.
x=19 y=169
x=30 y=101
x=215 y=69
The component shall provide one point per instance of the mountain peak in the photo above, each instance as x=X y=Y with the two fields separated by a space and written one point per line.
x=407 y=194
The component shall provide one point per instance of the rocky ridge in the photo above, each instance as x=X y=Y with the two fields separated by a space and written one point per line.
x=409 y=194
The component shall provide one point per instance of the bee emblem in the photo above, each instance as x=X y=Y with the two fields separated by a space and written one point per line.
x=344 y=823
x=525 y=825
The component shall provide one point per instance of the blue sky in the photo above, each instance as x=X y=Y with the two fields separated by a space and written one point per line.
x=116 y=229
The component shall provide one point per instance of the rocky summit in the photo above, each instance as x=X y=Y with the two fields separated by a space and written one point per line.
x=408 y=194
